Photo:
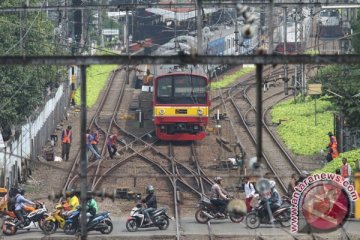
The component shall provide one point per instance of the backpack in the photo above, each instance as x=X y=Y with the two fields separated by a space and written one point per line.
x=12 y=199
x=11 y=203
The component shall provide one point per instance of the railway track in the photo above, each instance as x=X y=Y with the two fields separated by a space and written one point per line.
x=103 y=105
x=242 y=112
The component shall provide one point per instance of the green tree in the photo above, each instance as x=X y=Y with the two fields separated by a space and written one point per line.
x=355 y=40
x=344 y=81
x=23 y=88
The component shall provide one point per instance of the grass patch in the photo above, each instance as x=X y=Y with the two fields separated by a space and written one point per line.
x=351 y=156
x=230 y=78
x=299 y=132
x=97 y=76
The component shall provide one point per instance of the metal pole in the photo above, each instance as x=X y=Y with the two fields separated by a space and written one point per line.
x=236 y=34
x=83 y=173
x=259 y=69
x=271 y=28
x=199 y=28
x=127 y=32
x=285 y=29
x=127 y=45
x=285 y=43
x=315 y=112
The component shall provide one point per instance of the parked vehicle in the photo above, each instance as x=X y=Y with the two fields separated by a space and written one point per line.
x=100 y=222
x=207 y=210
x=33 y=218
x=137 y=219
x=259 y=215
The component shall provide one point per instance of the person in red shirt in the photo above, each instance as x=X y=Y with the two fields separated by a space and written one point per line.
x=66 y=140
x=111 y=143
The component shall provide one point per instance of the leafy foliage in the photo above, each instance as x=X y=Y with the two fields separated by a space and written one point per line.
x=229 y=78
x=23 y=88
x=355 y=39
x=344 y=81
x=96 y=80
x=331 y=167
x=298 y=131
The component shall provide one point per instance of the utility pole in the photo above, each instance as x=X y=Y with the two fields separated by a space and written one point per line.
x=271 y=28
x=299 y=38
x=285 y=52
x=237 y=50
x=199 y=27
x=77 y=27
x=127 y=44
x=100 y=28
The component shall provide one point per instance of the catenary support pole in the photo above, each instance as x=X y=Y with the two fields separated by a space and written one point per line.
x=259 y=69
x=83 y=165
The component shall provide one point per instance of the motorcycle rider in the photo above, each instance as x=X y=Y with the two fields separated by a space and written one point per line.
x=91 y=206
x=151 y=203
x=219 y=196
x=275 y=200
x=73 y=200
x=20 y=200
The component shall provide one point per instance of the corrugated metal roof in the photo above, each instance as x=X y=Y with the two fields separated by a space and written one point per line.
x=179 y=16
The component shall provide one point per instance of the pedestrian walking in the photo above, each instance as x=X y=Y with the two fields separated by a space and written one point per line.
x=332 y=146
x=89 y=139
x=249 y=193
x=292 y=184
x=66 y=140
x=345 y=170
x=95 y=141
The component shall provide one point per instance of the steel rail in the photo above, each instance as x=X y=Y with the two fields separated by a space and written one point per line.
x=113 y=117
x=289 y=158
x=284 y=187
x=77 y=158
x=175 y=197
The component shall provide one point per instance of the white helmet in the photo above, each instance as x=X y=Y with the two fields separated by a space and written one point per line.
x=272 y=183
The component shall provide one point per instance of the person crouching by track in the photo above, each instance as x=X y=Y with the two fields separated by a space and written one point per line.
x=111 y=143
x=218 y=196
x=151 y=203
x=89 y=139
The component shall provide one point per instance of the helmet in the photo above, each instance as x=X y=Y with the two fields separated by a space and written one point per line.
x=218 y=179
x=150 y=189
x=89 y=195
x=21 y=191
x=272 y=183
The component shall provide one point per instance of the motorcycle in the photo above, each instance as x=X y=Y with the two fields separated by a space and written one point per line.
x=56 y=219
x=32 y=220
x=259 y=215
x=137 y=219
x=100 y=222
x=208 y=211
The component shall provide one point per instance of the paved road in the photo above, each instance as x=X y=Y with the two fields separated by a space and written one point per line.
x=223 y=229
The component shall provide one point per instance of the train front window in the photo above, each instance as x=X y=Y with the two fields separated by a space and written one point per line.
x=181 y=89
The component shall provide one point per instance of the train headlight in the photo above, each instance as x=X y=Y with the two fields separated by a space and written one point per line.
x=200 y=112
x=162 y=111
